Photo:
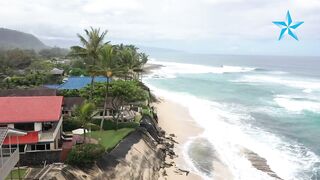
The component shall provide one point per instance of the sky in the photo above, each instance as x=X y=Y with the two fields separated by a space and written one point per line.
x=198 y=26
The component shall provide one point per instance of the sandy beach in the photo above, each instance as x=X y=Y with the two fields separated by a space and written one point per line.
x=175 y=119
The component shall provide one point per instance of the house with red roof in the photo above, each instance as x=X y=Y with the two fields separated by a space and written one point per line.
x=39 y=116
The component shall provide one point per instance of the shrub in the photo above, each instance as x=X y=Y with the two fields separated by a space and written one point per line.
x=71 y=124
x=85 y=154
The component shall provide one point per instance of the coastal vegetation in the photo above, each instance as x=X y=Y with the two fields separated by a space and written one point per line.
x=89 y=51
x=122 y=63
x=27 y=68
x=122 y=66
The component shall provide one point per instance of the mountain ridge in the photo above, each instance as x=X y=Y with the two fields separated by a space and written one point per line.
x=10 y=39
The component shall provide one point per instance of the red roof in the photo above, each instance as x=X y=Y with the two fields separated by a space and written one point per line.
x=30 y=109
x=30 y=138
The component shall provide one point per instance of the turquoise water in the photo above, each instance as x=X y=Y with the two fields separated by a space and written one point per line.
x=270 y=110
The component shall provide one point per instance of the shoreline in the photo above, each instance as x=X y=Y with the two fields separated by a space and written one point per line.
x=175 y=119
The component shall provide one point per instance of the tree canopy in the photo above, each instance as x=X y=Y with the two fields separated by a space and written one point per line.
x=127 y=91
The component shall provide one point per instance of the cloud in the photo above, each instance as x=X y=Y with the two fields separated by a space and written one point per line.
x=152 y=21
x=102 y=6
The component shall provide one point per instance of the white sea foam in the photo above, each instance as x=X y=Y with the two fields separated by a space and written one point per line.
x=297 y=103
x=307 y=85
x=226 y=131
x=171 y=69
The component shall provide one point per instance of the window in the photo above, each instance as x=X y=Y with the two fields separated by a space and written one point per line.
x=22 y=147
x=47 y=146
x=24 y=126
x=40 y=147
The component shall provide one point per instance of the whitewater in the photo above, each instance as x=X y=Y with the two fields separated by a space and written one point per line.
x=242 y=107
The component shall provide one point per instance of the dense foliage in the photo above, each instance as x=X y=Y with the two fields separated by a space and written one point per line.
x=16 y=59
x=25 y=68
x=85 y=154
x=125 y=91
x=53 y=52
x=69 y=93
x=77 y=72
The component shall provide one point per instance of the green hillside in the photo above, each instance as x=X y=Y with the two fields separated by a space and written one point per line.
x=10 y=39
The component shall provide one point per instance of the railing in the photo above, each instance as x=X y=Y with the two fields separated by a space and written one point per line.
x=8 y=164
x=46 y=136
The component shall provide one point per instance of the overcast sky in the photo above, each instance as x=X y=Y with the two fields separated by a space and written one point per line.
x=202 y=26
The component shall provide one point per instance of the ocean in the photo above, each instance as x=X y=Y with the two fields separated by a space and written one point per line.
x=269 y=105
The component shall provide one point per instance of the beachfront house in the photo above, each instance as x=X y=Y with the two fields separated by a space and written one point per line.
x=39 y=116
x=70 y=103
x=79 y=82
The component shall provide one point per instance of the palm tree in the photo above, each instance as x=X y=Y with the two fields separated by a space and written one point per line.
x=91 y=46
x=84 y=114
x=107 y=66
x=143 y=59
x=129 y=62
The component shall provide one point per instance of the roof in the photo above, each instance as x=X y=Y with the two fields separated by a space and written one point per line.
x=30 y=138
x=30 y=109
x=28 y=92
x=56 y=71
x=78 y=82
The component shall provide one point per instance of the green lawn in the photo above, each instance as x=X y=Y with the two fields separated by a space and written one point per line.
x=110 y=138
x=15 y=174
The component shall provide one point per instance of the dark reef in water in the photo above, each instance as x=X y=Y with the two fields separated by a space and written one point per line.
x=260 y=163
